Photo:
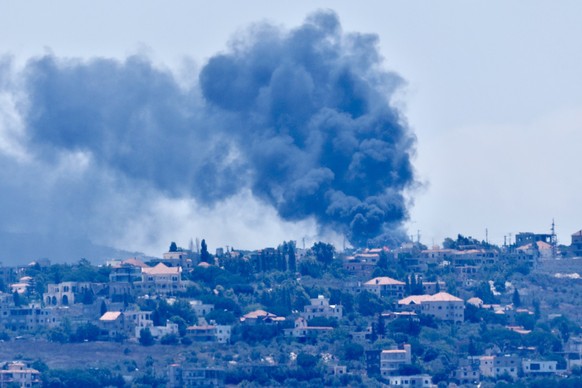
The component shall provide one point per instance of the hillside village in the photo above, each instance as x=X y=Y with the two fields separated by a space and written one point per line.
x=464 y=314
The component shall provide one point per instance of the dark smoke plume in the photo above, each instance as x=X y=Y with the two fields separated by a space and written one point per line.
x=302 y=117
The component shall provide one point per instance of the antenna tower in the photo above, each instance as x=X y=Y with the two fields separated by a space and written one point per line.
x=554 y=240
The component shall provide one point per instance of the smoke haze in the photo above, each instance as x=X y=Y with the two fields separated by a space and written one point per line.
x=301 y=121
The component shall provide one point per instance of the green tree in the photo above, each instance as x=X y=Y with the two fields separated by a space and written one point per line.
x=103 y=308
x=86 y=332
x=516 y=299
x=169 y=339
x=484 y=292
x=323 y=252
x=306 y=360
x=145 y=337
x=353 y=351
x=369 y=304
x=87 y=297
x=221 y=317
x=173 y=247
x=380 y=326
x=204 y=255
x=16 y=299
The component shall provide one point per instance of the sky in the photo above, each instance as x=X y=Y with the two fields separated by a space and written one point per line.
x=491 y=91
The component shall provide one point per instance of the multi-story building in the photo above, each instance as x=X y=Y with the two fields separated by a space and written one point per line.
x=29 y=317
x=122 y=279
x=68 y=293
x=415 y=381
x=180 y=258
x=467 y=372
x=386 y=287
x=442 y=305
x=576 y=247
x=161 y=279
x=392 y=360
x=260 y=317
x=474 y=257
x=302 y=330
x=537 y=367
x=320 y=308
x=496 y=366
x=187 y=376
x=210 y=333
x=17 y=374
x=113 y=324
x=201 y=309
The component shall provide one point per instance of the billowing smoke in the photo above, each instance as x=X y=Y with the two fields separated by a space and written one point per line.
x=303 y=118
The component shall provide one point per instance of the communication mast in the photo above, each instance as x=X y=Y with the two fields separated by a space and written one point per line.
x=554 y=240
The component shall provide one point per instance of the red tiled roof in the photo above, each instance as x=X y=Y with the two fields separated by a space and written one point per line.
x=384 y=281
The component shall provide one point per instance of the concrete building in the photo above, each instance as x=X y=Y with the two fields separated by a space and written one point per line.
x=68 y=293
x=528 y=238
x=187 y=376
x=496 y=366
x=468 y=372
x=17 y=374
x=474 y=258
x=392 y=360
x=161 y=280
x=386 y=287
x=210 y=333
x=260 y=317
x=576 y=246
x=442 y=305
x=302 y=331
x=320 y=308
x=201 y=309
x=537 y=367
x=415 y=381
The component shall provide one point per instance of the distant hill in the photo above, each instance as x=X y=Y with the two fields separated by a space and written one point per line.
x=22 y=248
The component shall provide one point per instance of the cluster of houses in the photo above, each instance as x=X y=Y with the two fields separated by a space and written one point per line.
x=108 y=306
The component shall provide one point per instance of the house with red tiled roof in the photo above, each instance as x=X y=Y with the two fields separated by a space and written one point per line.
x=260 y=316
x=161 y=279
x=386 y=287
x=442 y=305
x=19 y=375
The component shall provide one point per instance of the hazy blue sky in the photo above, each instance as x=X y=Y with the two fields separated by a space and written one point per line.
x=493 y=93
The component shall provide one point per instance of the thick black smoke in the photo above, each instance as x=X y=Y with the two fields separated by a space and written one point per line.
x=302 y=117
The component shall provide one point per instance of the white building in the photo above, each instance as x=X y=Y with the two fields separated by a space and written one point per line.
x=161 y=279
x=539 y=367
x=320 y=308
x=393 y=359
x=386 y=286
x=443 y=306
x=496 y=366
x=416 y=381
x=18 y=374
